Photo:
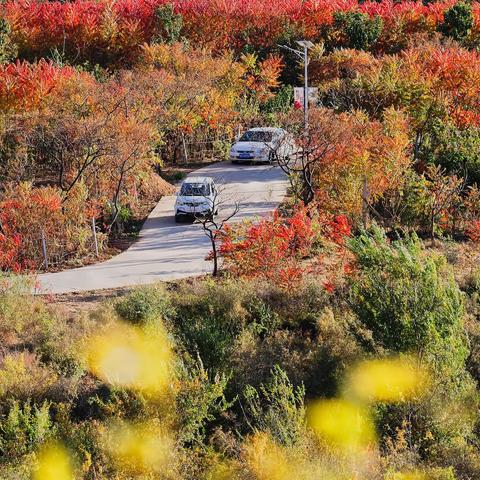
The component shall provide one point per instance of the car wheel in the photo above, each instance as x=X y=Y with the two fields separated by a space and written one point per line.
x=271 y=157
x=234 y=162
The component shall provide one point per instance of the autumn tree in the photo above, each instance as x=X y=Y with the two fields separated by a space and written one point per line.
x=102 y=135
x=112 y=33
x=327 y=134
x=347 y=161
x=444 y=193
x=28 y=213
x=214 y=222
x=206 y=93
x=273 y=248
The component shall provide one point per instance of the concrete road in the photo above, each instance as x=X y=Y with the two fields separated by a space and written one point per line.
x=166 y=250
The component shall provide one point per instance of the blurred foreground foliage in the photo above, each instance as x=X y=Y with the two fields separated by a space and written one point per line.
x=242 y=379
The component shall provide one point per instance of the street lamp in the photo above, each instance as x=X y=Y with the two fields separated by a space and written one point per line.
x=306 y=44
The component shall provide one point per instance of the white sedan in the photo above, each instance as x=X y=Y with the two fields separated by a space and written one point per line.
x=262 y=145
x=197 y=197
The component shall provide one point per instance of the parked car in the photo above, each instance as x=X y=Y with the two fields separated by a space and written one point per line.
x=196 y=198
x=262 y=145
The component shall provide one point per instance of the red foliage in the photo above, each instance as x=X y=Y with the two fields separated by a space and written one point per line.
x=24 y=213
x=17 y=233
x=24 y=85
x=451 y=73
x=473 y=231
x=278 y=248
x=270 y=248
x=91 y=26
x=329 y=286
x=338 y=228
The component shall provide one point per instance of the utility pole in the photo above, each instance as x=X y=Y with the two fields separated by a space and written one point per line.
x=306 y=44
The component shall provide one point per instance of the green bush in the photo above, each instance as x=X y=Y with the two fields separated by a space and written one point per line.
x=145 y=304
x=361 y=31
x=199 y=402
x=458 y=21
x=428 y=474
x=457 y=150
x=8 y=50
x=22 y=316
x=281 y=102
x=23 y=428
x=169 y=24
x=263 y=319
x=277 y=407
x=209 y=317
x=407 y=297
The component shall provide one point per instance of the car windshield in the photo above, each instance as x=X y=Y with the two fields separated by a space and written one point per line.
x=195 y=190
x=257 y=136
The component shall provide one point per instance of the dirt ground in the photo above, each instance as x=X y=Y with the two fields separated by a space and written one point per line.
x=84 y=301
x=72 y=303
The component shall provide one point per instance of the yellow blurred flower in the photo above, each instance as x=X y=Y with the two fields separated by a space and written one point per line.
x=341 y=424
x=387 y=380
x=141 y=448
x=267 y=460
x=53 y=464
x=414 y=475
x=221 y=471
x=130 y=357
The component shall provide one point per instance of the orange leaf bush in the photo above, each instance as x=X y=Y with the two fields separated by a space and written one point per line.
x=278 y=248
x=26 y=211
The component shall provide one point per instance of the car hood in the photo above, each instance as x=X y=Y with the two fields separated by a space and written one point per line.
x=192 y=199
x=252 y=145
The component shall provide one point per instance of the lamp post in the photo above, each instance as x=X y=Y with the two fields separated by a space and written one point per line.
x=306 y=44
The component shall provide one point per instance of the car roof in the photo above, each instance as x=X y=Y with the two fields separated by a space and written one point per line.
x=198 y=180
x=265 y=129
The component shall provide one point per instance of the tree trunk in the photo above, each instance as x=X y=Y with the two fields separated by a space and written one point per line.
x=215 y=255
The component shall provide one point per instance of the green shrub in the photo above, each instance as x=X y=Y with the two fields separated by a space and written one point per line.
x=318 y=361
x=298 y=309
x=428 y=474
x=361 y=31
x=407 y=297
x=169 y=24
x=22 y=316
x=23 y=428
x=277 y=407
x=458 y=21
x=145 y=304
x=208 y=318
x=111 y=402
x=8 y=50
x=263 y=319
x=457 y=150
x=281 y=102
x=199 y=402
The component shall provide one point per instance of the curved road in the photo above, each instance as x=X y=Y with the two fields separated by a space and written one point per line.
x=166 y=250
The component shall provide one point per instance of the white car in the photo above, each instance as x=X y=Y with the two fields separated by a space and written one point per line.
x=196 y=198
x=263 y=145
